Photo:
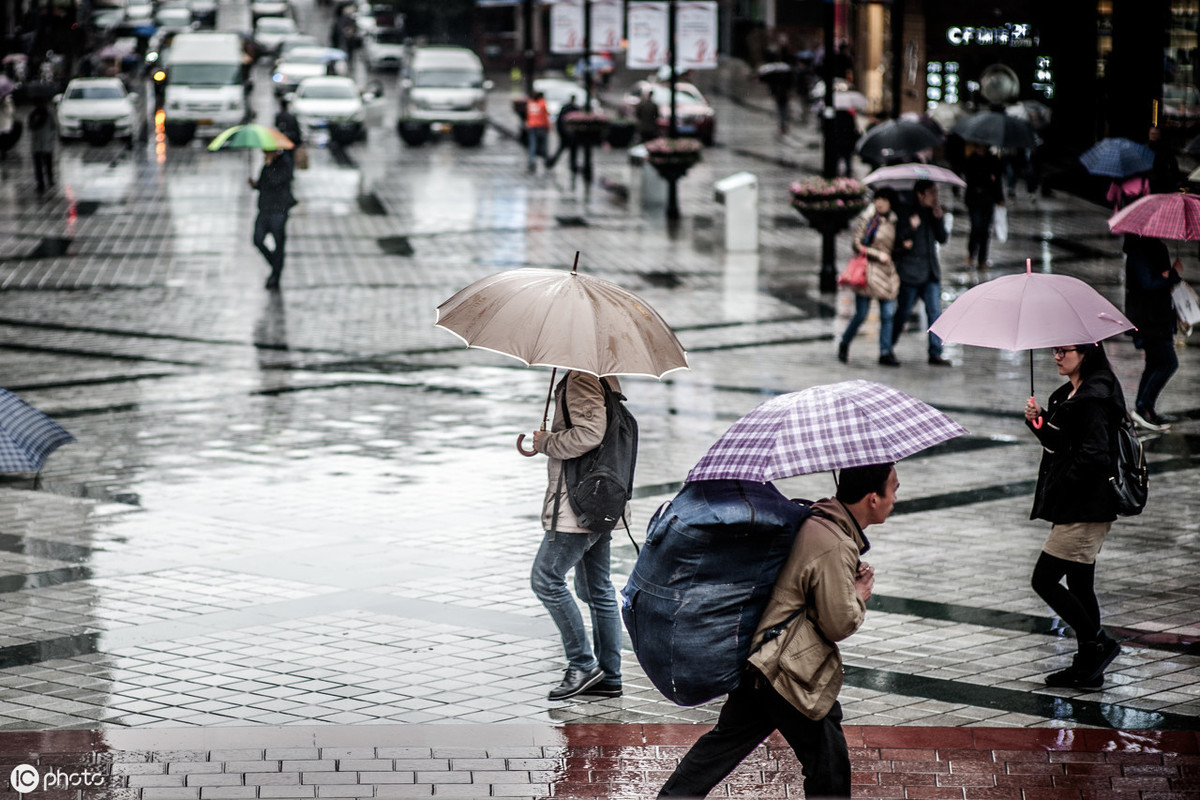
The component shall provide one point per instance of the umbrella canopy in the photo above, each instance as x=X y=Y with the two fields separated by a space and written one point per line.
x=1035 y=113
x=250 y=137
x=774 y=68
x=1173 y=216
x=27 y=436
x=829 y=427
x=895 y=139
x=946 y=114
x=7 y=87
x=903 y=176
x=555 y=318
x=996 y=130
x=1117 y=157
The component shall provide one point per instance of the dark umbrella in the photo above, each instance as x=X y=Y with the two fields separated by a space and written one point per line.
x=996 y=129
x=27 y=436
x=1116 y=157
x=895 y=140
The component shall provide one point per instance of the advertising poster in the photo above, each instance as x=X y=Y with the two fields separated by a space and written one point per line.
x=696 y=33
x=566 y=27
x=607 y=25
x=647 y=35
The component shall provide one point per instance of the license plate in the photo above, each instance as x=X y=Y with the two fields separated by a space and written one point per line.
x=204 y=122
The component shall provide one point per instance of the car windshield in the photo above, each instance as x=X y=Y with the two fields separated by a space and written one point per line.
x=299 y=56
x=449 y=78
x=94 y=93
x=327 y=91
x=274 y=25
x=389 y=36
x=206 y=74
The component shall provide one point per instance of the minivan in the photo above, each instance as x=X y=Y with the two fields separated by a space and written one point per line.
x=205 y=91
x=443 y=87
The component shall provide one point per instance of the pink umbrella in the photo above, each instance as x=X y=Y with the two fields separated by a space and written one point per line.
x=1173 y=216
x=903 y=176
x=1028 y=311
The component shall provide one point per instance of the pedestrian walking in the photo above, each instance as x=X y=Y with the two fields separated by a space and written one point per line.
x=1077 y=431
x=794 y=674
x=921 y=228
x=1149 y=278
x=593 y=666
x=984 y=173
x=42 y=133
x=275 y=201
x=647 y=116
x=566 y=139
x=537 y=129
x=874 y=237
x=780 y=81
x=287 y=124
x=8 y=123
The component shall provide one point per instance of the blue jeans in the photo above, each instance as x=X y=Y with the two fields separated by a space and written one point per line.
x=887 y=313
x=931 y=295
x=537 y=144
x=1161 y=363
x=588 y=553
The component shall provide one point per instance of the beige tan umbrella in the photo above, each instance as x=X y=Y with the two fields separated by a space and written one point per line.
x=565 y=320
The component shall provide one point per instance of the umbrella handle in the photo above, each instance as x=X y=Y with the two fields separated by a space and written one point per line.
x=1037 y=423
x=527 y=453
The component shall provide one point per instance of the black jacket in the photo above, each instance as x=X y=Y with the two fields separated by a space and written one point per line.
x=1079 y=439
x=919 y=264
x=1147 y=292
x=275 y=187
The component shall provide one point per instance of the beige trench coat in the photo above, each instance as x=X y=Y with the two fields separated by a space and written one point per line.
x=803 y=663
x=883 y=282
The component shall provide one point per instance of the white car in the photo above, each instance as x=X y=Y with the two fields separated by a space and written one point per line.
x=384 y=49
x=173 y=19
x=269 y=8
x=558 y=90
x=306 y=62
x=97 y=109
x=331 y=106
x=269 y=33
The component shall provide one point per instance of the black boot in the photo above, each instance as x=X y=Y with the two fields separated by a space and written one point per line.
x=843 y=352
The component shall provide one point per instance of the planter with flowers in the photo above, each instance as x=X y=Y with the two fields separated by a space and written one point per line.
x=586 y=127
x=829 y=203
x=672 y=158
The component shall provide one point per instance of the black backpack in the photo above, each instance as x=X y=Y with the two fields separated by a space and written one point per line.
x=1131 y=483
x=600 y=482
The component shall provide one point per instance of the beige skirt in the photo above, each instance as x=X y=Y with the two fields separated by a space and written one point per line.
x=1077 y=541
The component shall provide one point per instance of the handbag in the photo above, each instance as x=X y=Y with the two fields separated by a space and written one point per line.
x=854 y=276
x=1186 y=303
x=300 y=154
x=1000 y=224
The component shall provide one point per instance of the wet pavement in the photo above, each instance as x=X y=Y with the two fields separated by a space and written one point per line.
x=294 y=528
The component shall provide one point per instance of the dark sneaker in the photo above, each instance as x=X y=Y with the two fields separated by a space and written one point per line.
x=889 y=360
x=843 y=352
x=1071 y=679
x=576 y=681
x=1147 y=419
x=604 y=689
x=938 y=361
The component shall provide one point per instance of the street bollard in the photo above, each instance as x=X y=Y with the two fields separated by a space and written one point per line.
x=739 y=195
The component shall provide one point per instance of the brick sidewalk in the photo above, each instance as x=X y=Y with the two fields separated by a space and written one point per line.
x=594 y=761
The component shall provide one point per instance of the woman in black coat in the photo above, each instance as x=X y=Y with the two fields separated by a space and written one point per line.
x=1078 y=433
x=1149 y=278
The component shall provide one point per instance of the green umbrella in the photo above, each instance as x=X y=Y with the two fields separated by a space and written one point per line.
x=251 y=137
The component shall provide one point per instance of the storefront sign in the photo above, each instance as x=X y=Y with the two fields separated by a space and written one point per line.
x=1010 y=34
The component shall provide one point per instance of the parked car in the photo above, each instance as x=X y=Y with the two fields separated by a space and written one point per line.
x=332 y=106
x=384 y=49
x=299 y=40
x=558 y=90
x=269 y=33
x=693 y=114
x=307 y=62
x=96 y=109
x=173 y=19
x=443 y=87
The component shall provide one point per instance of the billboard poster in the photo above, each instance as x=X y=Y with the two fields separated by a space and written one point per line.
x=566 y=27
x=696 y=35
x=647 y=35
x=607 y=24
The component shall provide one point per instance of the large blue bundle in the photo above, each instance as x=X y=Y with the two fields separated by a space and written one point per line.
x=702 y=581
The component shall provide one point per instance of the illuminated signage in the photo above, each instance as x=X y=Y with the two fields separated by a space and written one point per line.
x=1010 y=34
x=941 y=83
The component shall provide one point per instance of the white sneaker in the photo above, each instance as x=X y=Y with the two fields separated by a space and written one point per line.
x=1148 y=424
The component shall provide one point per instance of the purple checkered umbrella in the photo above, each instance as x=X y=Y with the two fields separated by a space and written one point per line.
x=27 y=436
x=830 y=427
x=1174 y=215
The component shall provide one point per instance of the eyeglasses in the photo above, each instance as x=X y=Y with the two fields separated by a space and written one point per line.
x=1059 y=352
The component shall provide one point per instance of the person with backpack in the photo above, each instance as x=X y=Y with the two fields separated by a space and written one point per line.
x=794 y=673
x=1077 y=431
x=580 y=422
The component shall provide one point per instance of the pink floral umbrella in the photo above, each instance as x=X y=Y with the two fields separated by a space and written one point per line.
x=1029 y=311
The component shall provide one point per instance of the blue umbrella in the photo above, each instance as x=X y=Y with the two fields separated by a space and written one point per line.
x=27 y=436
x=1117 y=157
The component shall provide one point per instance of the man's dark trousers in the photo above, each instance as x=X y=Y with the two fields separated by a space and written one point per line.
x=274 y=223
x=750 y=714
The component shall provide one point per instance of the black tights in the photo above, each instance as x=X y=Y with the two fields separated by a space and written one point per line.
x=1075 y=603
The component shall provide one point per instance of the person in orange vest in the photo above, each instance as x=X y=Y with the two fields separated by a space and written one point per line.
x=537 y=128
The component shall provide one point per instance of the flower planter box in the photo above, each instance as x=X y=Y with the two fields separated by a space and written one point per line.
x=829 y=204
x=586 y=129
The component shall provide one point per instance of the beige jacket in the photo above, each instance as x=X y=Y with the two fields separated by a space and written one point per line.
x=585 y=396
x=802 y=663
x=883 y=282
